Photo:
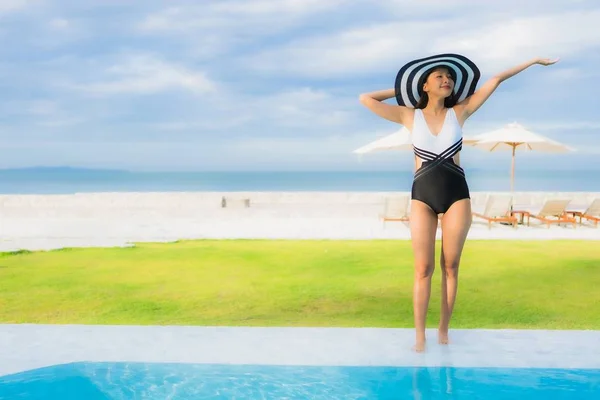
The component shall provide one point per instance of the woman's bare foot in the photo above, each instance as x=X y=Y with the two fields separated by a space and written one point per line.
x=419 y=346
x=443 y=336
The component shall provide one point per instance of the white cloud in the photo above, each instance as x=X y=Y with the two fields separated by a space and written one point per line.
x=352 y=51
x=306 y=107
x=565 y=34
x=250 y=16
x=302 y=115
x=304 y=112
x=218 y=27
x=274 y=7
x=491 y=43
x=29 y=109
x=7 y=6
x=42 y=107
x=477 y=12
x=61 y=122
x=144 y=74
x=201 y=125
x=59 y=24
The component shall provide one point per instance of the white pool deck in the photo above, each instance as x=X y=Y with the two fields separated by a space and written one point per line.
x=29 y=346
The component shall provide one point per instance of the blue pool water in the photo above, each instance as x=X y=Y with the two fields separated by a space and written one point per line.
x=95 y=381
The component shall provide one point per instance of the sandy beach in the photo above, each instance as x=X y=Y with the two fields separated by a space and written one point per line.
x=39 y=222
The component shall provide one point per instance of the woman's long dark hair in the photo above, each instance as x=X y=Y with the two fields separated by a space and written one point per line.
x=449 y=101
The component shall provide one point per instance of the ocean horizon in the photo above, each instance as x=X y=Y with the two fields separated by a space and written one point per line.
x=72 y=180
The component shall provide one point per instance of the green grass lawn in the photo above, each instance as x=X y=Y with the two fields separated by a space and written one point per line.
x=503 y=284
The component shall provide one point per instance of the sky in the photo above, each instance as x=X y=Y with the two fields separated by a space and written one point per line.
x=218 y=85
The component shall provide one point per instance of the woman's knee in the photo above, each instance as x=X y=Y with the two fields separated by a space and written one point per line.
x=424 y=270
x=450 y=267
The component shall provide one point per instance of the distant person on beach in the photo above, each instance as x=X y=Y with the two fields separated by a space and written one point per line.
x=435 y=96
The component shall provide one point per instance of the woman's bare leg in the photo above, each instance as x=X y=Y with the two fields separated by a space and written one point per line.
x=423 y=226
x=456 y=223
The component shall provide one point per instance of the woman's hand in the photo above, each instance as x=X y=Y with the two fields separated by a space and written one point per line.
x=546 y=61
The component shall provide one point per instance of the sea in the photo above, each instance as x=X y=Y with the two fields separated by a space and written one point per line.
x=74 y=180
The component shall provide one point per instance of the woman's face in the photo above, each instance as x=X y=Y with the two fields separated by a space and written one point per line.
x=439 y=83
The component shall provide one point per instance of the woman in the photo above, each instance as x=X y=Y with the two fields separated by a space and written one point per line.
x=435 y=96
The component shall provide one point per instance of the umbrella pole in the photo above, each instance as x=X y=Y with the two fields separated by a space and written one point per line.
x=512 y=169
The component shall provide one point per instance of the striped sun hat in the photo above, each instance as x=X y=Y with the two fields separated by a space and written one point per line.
x=408 y=86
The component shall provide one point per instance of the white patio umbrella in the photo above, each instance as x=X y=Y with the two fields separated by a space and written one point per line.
x=515 y=137
x=399 y=140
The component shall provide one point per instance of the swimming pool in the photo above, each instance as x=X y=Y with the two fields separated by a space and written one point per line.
x=95 y=381
x=66 y=362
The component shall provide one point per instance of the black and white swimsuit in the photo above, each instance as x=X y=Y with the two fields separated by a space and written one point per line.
x=439 y=182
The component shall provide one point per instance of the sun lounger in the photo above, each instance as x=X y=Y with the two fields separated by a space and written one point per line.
x=591 y=213
x=553 y=212
x=497 y=209
x=395 y=209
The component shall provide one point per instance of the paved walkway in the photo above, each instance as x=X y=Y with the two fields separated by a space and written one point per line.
x=25 y=347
